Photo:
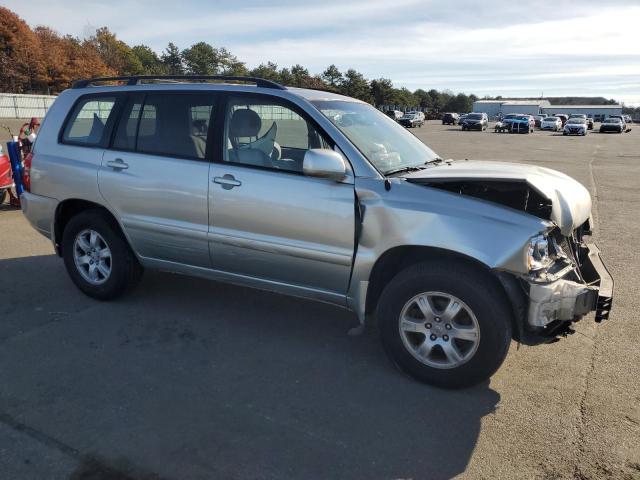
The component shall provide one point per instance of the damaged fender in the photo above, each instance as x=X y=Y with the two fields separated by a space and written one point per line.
x=404 y=214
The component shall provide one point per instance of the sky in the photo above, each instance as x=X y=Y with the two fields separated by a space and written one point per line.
x=511 y=48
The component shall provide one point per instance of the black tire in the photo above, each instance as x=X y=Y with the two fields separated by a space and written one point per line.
x=126 y=271
x=478 y=291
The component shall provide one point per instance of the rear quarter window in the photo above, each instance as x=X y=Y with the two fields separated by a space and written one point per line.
x=87 y=123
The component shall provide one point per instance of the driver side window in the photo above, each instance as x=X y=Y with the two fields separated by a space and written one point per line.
x=267 y=133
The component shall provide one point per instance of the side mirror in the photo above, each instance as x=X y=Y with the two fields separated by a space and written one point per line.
x=324 y=163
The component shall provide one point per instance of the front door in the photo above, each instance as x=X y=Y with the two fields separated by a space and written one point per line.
x=155 y=176
x=267 y=219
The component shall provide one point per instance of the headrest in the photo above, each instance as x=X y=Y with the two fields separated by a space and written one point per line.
x=245 y=123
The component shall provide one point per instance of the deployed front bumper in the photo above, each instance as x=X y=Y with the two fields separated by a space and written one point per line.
x=567 y=300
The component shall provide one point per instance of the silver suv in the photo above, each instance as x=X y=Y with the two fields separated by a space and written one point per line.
x=316 y=195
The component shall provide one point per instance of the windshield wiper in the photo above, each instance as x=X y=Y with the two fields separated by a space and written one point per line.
x=413 y=168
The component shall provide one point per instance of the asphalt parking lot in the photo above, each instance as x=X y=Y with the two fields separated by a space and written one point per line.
x=189 y=379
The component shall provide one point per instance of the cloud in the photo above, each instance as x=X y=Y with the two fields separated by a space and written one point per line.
x=464 y=45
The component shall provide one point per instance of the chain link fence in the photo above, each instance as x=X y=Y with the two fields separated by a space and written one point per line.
x=13 y=105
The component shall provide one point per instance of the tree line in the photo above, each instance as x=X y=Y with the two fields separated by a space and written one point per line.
x=40 y=60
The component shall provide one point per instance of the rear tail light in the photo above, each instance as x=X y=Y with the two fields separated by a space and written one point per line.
x=26 y=171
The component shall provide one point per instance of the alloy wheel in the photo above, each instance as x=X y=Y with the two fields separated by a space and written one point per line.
x=439 y=330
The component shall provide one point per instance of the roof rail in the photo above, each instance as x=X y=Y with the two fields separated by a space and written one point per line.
x=135 y=80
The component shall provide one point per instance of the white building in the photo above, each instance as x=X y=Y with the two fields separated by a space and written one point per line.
x=490 y=107
x=493 y=107
x=527 y=107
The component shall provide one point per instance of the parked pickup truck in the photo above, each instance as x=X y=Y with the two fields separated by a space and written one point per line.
x=316 y=195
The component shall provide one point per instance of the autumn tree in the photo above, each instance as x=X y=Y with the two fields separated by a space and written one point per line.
x=22 y=67
x=116 y=54
x=66 y=59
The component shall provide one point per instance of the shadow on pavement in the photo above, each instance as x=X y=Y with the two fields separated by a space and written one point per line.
x=187 y=378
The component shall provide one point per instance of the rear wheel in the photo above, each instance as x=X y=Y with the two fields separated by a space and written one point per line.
x=445 y=324
x=97 y=256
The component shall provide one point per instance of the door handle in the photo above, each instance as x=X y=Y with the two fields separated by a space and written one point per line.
x=117 y=164
x=227 y=181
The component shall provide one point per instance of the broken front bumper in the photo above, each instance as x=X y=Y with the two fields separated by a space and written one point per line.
x=567 y=300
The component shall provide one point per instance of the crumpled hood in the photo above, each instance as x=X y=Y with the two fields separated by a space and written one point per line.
x=571 y=202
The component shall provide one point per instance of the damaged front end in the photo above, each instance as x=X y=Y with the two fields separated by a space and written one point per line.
x=565 y=278
x=575 y=283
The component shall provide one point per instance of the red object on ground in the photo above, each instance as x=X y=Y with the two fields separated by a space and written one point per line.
x=6 y=178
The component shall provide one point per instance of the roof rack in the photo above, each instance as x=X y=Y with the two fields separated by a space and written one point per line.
x=136 y=79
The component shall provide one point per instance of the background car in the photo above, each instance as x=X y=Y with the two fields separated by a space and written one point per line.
x=612 y=124
x=538 y=119
x=394 y=114
x=551 y=123
x=508 y=119
x=575 y=126
x=622 y=119
x=522 y=124
x=412 y=119
x=589 y=120
x=562 y=117
x=450 y=118
x=475 y=121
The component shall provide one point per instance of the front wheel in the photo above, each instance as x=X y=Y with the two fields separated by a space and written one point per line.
x=97 y=256
x=445 y=324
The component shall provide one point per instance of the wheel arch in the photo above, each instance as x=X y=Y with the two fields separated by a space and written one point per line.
x=396 y=259
x=71 y=207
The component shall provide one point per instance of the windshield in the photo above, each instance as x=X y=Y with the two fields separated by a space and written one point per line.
x=385 y=143
x=550 y=119
x=408 y=115
x=474 y=116
x=576 y=120
x=510 y=116
x=613 y=120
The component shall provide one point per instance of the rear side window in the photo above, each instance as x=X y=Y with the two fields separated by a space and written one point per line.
x=87 y=123
x=174 y=124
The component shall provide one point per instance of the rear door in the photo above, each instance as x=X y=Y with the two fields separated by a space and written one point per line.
x=155 y=175
x=267 y=219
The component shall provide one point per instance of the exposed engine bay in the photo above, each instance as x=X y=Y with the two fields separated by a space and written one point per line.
x=516 y=194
